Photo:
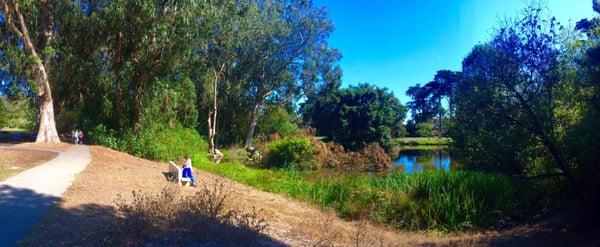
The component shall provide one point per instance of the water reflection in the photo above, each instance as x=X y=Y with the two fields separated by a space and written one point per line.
x=415 y=159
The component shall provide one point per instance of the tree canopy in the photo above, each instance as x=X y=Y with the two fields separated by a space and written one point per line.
x=357 y=116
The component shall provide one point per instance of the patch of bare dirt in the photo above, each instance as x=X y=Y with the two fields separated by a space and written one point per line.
x=13 y=161
x=51 y=146
x=86 y=213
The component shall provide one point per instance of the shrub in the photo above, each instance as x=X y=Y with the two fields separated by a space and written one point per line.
x=156 y=142
x=424 y=129
x=297 y=152
x=168 y=218
x=279 y=121
x=377 y=159
x=371 y=158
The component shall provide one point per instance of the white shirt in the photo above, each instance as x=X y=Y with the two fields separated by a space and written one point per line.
x=188 y=163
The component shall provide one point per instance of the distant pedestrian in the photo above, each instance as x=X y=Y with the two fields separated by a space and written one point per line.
x=81 y=136
x=74 y=137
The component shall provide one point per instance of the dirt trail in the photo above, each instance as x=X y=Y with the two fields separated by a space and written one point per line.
x=83 y=215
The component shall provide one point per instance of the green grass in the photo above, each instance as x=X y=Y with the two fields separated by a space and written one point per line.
x=435 y=200
x=13 y=130
x=412 y=141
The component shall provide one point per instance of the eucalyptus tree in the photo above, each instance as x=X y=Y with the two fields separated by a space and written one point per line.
x=124 y=63
x=32 y=26
x=291 y=34
x=225 y=29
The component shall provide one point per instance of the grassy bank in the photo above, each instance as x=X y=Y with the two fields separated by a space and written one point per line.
x=434 y=200
x=413 y=141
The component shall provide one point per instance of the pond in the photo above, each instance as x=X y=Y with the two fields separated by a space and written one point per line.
x=414 y=159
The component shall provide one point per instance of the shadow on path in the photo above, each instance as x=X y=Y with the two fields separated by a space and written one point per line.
x=21 y=210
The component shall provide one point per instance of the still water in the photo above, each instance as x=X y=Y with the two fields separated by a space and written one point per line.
x=414 y=159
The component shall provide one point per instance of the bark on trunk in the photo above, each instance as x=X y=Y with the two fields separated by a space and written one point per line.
x=47 y=126
x=212 y=114
x=47 y=129
x=253 y=123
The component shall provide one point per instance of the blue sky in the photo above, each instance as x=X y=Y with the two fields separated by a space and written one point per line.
x=398 y=43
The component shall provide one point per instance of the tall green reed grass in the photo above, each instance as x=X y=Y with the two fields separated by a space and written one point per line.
x=433 y=200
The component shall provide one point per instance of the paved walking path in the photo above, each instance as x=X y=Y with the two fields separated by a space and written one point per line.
x=25 y=197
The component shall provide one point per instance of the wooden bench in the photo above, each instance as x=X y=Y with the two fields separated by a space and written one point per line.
x=177 y=173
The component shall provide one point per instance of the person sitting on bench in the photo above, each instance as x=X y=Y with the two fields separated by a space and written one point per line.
x=187 y=170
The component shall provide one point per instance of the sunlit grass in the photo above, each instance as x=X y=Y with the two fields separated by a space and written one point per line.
x=427 y=200
x=424 y=141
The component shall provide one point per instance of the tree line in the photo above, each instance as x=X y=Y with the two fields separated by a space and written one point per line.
x=218 y=66
x=525 y=103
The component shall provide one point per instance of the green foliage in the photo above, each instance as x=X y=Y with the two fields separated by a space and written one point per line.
x=296 y=152
x=155 y=142
x=504 y=120
x=428 y=100
x=424 y=129
x=429 y=200
x=430 y=141
x=126 y=70
x=17 y=112
x=277 y=120
x=358 y=115
x=3 y=114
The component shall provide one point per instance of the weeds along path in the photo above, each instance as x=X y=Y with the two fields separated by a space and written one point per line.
x=25 y=197
x=86 y=213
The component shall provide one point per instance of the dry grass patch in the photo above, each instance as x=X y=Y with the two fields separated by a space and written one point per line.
x=15 y=161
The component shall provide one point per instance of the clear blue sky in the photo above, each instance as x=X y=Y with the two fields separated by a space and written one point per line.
x=398 y=43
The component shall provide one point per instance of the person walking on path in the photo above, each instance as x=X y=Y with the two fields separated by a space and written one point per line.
x=187 y=170
x=81 y=137
x=74 y=137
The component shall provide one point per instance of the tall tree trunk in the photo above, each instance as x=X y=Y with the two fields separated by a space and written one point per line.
x=253 y=123
x=47 y=129
x=211 y=133
x=212 y=114
x=47 y=126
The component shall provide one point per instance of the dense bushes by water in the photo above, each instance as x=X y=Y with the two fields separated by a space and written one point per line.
x=429 y=200
x=306 y=152
x=295 y=152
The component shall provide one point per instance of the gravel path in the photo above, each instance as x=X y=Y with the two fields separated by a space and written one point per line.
x=25 y=197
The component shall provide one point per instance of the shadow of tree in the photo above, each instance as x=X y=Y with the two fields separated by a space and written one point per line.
x=100 y=225
x=20 y=210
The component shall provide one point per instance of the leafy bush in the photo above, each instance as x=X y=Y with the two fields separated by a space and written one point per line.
x=3 y=114
x=153 y=142
x=296 y=152
x=277 y=121
x=424 y=129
